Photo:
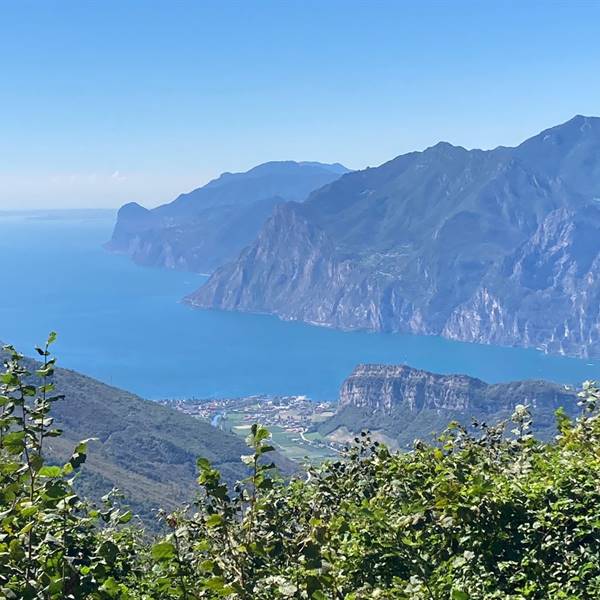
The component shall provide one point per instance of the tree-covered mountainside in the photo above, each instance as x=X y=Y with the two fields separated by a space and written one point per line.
x=498 y=246
x=208 y=226
x=144 y=449
x=399 y=404
x=481 y=515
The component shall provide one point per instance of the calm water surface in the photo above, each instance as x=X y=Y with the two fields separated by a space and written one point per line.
x=126 y=326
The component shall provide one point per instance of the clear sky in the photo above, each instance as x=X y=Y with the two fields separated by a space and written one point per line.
x=106 y=102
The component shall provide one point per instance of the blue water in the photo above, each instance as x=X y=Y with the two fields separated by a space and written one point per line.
x=125 y=325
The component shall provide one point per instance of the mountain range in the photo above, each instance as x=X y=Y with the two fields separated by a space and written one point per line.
x=210 y=225
x=399 y=404
x=499 y=246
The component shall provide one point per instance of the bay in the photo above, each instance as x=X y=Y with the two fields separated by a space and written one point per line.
x=126 y=325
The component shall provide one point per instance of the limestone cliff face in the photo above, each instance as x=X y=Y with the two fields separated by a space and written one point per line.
x=383 y=387
x=206 y=227
x=198 y=242
x=401 y=403
x=288 y=283
x=546 y=294
x=496 y=247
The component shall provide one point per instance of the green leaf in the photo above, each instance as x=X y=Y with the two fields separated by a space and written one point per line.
x=288 y=589
x=265 y=449
x=50 y=471
x=203 y=463
x=216 y=584
x=109 y=551
x=163 y=551
x=459 y=595
x=81 y=447
x=14 y=442
x=214 y=520
x=258 y=433
x=54 y=433
x=29 y=511
x=16 y=550
x=207 y=565
x=44 y=372
x=126 y=517
x=9 y=378
x=110 y=587
x=7 y=468
x=247 y=459
x=55 y=490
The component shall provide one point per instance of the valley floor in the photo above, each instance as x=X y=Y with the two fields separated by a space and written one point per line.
x=290 y=419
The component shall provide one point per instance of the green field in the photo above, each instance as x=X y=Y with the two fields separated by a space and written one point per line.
x=290 y=443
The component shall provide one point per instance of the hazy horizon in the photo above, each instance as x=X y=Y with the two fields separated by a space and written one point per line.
x=107 y=104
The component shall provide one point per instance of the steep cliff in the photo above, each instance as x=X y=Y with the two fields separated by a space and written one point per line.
x=547 y=293
x=427 y=243
x=204 y=228
x=399 y=403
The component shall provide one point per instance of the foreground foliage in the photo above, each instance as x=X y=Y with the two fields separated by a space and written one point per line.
x=483 y=515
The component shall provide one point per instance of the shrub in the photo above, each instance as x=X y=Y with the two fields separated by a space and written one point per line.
x=482 y=514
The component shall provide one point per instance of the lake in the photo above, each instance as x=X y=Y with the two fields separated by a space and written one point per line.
x=125 y=325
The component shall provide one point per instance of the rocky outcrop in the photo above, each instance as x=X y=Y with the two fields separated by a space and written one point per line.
x=496 y=247
x=401 y=403
x=310 y=258
x=205 y=228
x=381 y=388
x=546 y=294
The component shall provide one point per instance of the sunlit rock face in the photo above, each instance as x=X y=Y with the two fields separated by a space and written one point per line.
x=496 y=246
x=398 y=403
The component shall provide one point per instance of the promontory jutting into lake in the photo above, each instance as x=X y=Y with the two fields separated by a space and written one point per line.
x=439 y=243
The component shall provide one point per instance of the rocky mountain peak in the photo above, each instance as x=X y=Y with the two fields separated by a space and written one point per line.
x=434 y=242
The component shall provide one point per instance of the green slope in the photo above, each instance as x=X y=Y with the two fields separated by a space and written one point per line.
x=146 y=450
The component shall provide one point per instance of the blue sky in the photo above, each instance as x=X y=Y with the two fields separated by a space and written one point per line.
x=106 y=102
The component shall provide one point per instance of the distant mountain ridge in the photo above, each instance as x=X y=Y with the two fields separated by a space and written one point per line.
x=204 y=228
x=497 y=246
x=398 y=403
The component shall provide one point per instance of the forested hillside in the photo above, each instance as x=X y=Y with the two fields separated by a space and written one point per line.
x=144 y=449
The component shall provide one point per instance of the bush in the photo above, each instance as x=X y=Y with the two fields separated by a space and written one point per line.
x=52 y=544
x=480 y=515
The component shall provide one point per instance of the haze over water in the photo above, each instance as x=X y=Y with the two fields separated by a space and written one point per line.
x=125 y=325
